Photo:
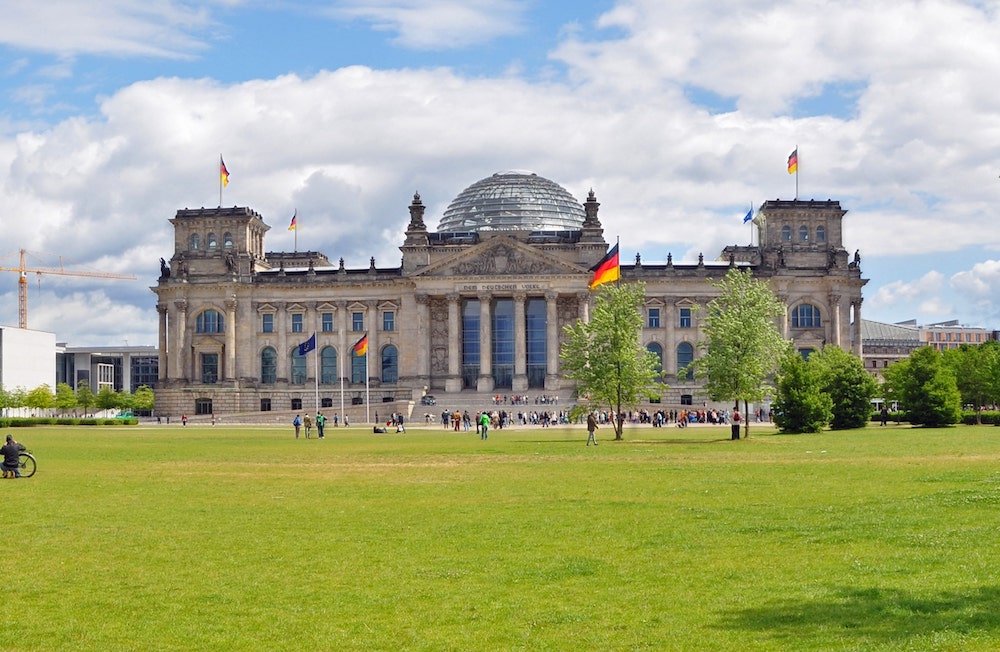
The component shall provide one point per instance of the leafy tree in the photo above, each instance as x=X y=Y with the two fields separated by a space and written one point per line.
x=605 y=357
x=800 y=404
x=975 y=368
x=65 y=397
x=925 y=388
x=40 y=398
x=143 y=399
x=743 y=345
x=107 y=399
x=846 y=381
x=85 y=396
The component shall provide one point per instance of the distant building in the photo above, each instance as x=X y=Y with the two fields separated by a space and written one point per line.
x=951 y=334
x=120 y=368
x=883 y=344
x=27 y=358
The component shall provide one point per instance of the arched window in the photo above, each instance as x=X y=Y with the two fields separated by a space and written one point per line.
x=803 y=234
x=656 y=349
x=806 y=316
x=298 y=367
x=227 y=240
x=328 y=365
x=210 y=321
x=268 y=366
x=685 y=356
x=820 y=234
x=786 y=233
x=390 y=364
x=195 y=241
x=212 y=243
x=359 y=367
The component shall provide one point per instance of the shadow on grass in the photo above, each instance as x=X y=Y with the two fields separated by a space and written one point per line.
x=877 y=615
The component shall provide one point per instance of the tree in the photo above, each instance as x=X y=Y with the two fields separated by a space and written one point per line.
x=143 y=399
x=851 y=388
x=925 y=388
x=107 y=399
x=975 y=369
x=65 y=397
x=743 y=345
x=84 y=396
x=801 y=405
x=604 y=356
x=40 y=398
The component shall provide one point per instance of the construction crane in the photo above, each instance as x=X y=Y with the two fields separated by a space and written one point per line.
x=22 y=282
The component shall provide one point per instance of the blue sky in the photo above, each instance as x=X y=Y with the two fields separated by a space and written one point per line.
x=677 y=115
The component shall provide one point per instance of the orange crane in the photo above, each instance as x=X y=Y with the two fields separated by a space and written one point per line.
x=22 y=282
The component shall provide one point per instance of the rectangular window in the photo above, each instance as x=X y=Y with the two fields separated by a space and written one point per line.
x=203 y=406
x=357 y=321
x=687 y=399
x=265 y=405
x=326 y=402
x=297 y=322
x=296 y=403
x=654 y=318
x=267 y=323
x=209 y=368
x=327 y=319
x=685 y=321
x=388 y=320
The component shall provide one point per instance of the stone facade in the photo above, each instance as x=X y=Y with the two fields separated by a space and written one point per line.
x=477 y=312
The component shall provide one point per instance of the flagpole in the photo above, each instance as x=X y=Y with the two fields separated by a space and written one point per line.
x=797 y=173
x=368 y=405
x=340 y=372
x=221 y=164
x=316 y=359
x=618 y=281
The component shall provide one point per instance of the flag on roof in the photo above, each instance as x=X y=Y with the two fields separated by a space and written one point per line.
x=223 y=172
x=607 y=269
x=793 y=161
x=291 y=227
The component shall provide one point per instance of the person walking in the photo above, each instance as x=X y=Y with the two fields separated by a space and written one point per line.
x=591 y=428
x=297 y=422
x=484 y=424
x=307 y=422
x=400 y=425
x=320 y=424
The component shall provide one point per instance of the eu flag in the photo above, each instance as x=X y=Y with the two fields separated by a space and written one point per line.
x=308 y=345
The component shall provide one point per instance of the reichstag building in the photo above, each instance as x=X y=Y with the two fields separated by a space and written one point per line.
x=477 y=307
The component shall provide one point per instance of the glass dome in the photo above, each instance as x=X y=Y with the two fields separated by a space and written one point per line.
x=513 y=201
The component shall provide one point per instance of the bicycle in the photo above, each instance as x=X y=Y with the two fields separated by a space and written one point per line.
x=26 y=465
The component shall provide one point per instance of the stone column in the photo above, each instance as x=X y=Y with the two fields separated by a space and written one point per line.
x=453 y=383
x=374 y=356
x=856 y=328
x=180 y=368
x=552 y=380
x=672 y=322
x=162 y=373
x=343 y=352
x=423 y=347
x=229 y=369
x=836 y=322
x=520 y=381
x=485 y=383
x=584 y=305
x=284 y=358
x=783 y=319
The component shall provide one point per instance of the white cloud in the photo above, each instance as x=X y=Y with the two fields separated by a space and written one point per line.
x=160 y=28
x=438 y=24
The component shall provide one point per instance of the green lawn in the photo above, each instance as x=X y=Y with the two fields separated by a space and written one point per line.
x=226 y=538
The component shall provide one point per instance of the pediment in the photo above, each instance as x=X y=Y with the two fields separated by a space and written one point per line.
x=500 y=256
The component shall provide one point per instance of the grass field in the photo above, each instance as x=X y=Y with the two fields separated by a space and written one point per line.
x=169 y=538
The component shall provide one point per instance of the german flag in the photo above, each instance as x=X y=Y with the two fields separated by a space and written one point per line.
x=223 y=172
x=607 y=269
x=361 y=347
x=793 y=161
